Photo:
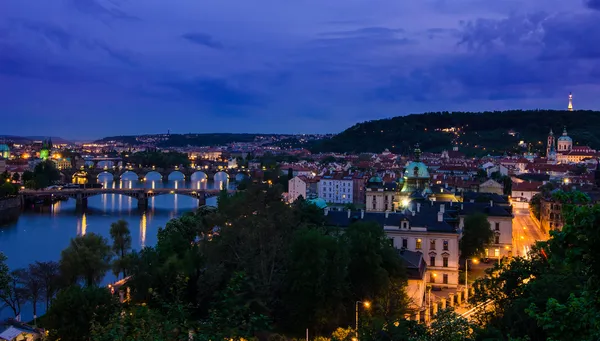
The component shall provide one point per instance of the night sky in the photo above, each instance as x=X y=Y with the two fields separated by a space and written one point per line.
x=90 y=68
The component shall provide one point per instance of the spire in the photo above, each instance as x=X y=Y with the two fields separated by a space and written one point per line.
x=417 y=153
x=565 y=131
x=551 y=132
x=570 y=107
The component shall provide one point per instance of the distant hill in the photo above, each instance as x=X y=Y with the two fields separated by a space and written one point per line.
x=182 y=140
x=475 y=133
x=29 y=139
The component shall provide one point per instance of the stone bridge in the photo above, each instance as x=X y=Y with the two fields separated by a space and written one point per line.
x=141 y=194
x=92 y=174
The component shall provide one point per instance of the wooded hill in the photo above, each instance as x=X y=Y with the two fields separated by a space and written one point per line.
x=482 y=133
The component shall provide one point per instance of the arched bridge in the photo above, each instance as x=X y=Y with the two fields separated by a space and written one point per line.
x=141 y=194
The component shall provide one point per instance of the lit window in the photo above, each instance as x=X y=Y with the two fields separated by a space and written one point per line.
x=497 y=252
x=419 y=243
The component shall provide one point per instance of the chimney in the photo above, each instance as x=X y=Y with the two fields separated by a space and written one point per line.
x=440 y=216
x=413 y=213
x=491 y=203
x=387 y=213
x=443 y=208
x=431 y=201
x=418 y=207
x=472 y=200
x=349 y=213
x=462 y=206
x=326 y=210
x=362 y=214
x=446 y=185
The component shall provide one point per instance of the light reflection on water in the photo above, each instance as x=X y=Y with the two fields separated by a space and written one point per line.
x=40 y=234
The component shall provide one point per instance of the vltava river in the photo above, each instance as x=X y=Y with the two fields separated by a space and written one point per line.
x=41 y=234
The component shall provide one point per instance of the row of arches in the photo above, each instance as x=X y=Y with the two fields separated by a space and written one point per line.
x=173 y=176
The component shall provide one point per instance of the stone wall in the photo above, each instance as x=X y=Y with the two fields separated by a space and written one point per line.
x=9 y=209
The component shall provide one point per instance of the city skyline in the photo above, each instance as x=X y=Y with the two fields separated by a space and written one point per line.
x=83 y=69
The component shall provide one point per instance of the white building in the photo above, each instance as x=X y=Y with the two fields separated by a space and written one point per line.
x=297 y=187
x=500 y=219
x=421 y=228
x=336 y=188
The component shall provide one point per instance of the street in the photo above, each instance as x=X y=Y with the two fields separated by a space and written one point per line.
x=525 y=232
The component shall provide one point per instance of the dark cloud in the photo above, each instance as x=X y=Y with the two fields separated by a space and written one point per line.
x=593 y=4
x=366 y=31
x=215 y=91
x=203 y=39
x=96 y=9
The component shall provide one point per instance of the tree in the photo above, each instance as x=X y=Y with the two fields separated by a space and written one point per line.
x=535 y=205
x=121 y=236
x=45 y=174
x=32 y=286
x=12 y=293
x=316 y=280
x=477 y=233
x=47 y=273
x=27 y=176
x=72 y=311
x=16 y=177
x=449 y=326
x=506 y=185
x=87 y=258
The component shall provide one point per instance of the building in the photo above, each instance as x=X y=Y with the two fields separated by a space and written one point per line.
x=4 y=151
x=380 y=196
x=416 y=179
x=427 y=228
x=337 y=188
x=500 y=218
x=13 y=330
x=304 y=186
x=416 y=270
x=359 y=188
x=63 y=163
x=2 y=165
x=565 y=143
x=491 y=186
x=524 y=191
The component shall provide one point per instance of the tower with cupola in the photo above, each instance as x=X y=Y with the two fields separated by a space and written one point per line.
x=570 y=107
x=550 y=143
x=565 y=143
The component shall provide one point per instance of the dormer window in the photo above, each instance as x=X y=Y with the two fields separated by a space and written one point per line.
x=405 y=224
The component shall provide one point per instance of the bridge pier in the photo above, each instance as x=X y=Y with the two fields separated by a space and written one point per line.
x=201 y=201
x=142 y=201
x=80 y=201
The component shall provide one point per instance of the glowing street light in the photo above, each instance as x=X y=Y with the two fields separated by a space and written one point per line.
x=365 y=304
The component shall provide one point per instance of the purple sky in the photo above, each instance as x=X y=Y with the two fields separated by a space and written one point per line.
x=91 y=68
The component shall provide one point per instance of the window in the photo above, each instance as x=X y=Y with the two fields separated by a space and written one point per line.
x=432 y=244
x=445 y=262
x=432 y=277
x=497 y=239
x=419 y=241
x=445 y=278
x=496 y=252
x=431 y=260
x=497 y=226
x=405 y=243
x=445 y=245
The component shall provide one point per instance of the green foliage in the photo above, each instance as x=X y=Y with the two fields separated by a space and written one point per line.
x=7 y=189
x=552 y=295
x=487 y=130
x=45 y=174
x=477 y=233
x=448 y=326
x=87 y=259
x=121 y=236
x=72 y=311
x=316 y=280
x=535 y=205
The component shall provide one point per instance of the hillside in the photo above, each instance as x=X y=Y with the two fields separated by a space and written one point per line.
x=475 y=133
x=182 y=140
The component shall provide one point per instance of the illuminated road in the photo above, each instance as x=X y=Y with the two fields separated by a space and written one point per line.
x=525 y=232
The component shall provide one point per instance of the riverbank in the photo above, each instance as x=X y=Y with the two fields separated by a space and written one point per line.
x=10 y=208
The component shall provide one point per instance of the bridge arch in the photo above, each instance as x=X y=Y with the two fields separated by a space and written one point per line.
x=129 y=176
x=199 y=176
x=221 y=180
x=105 y=177
x=176 y=176
x=153 y=176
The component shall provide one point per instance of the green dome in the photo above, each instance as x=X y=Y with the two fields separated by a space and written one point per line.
x=375 y=179
x=416 y=169
x=320 y=203
x=4 y=148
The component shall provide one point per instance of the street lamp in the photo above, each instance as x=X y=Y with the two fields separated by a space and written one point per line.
x=475 y=261
x=367 y=305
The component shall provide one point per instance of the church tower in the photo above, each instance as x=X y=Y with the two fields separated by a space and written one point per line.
x=570 y=107
x=550 y=143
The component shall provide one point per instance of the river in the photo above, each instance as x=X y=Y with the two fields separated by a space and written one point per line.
x=40 y=234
